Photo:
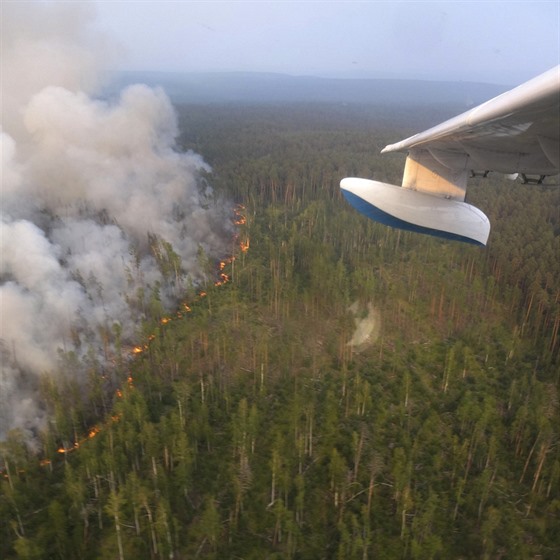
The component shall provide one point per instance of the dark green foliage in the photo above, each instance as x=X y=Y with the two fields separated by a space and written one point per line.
x=249 y=428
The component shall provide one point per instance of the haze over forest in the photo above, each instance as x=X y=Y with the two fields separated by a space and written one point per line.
x=336 y=389
x=270 y=88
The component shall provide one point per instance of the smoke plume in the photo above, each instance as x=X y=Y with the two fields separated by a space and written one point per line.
x=98 y=208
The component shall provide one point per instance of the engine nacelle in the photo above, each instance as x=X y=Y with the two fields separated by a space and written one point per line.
x=412 y=210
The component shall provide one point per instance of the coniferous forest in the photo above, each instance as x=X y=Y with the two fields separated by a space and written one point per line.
x=339 y=389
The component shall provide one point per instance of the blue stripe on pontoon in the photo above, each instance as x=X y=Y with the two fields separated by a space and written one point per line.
x=378 y=215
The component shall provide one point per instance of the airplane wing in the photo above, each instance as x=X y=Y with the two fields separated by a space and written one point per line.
x=516 y=132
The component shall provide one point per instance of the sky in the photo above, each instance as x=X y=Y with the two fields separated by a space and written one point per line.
x=488 y=41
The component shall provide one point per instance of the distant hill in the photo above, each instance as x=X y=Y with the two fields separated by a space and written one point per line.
x=268 y=88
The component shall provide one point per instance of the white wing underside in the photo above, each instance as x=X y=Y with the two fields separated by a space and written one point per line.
x=516 y=132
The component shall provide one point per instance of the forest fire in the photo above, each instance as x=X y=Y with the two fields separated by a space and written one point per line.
x=91 y=434
x=223 y=278
x=240 y=218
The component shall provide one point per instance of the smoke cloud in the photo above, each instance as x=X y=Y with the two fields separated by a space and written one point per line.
x=95 y=203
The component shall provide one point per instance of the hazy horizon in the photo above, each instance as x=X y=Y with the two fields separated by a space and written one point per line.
x=337 y=77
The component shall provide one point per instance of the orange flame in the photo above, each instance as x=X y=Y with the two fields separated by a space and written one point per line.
x=224 y=278
x=240 y=218
x=93 y=432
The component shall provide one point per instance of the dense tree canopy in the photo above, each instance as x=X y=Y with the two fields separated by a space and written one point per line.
x=246 y=425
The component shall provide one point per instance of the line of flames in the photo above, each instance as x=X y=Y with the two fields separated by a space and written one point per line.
x=240 y=219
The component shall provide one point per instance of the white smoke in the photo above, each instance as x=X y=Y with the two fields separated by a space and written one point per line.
x=88 y=188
